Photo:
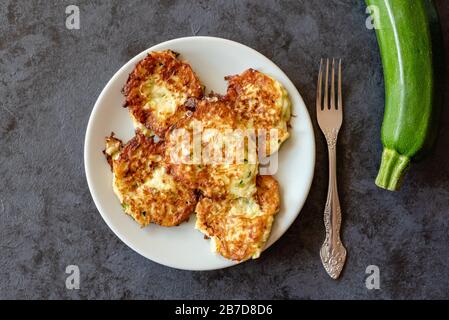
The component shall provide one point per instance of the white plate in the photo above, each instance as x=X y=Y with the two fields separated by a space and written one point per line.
x=183 y=247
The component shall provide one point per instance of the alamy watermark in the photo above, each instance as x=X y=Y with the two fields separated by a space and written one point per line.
x=199 y=146
x=372 y=21
x=373 y=279
x=72 y=282
x=72 y=21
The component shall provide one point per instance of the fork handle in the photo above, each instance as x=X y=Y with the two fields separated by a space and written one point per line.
x=333 y=253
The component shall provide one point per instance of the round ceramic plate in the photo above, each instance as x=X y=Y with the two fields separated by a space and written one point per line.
x=183 y=247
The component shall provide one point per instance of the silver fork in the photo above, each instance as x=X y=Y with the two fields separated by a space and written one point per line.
x=330 y=117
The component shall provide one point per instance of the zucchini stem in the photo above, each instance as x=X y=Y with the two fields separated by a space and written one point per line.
x=392 y=169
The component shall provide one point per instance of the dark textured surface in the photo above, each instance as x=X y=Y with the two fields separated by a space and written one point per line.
x=50 y=79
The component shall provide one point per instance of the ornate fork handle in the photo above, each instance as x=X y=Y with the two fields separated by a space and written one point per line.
x=333 y=253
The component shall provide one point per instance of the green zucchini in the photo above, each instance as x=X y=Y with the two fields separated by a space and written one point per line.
x=410 y=47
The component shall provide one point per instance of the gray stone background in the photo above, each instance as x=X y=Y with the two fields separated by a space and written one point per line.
x=50 y=78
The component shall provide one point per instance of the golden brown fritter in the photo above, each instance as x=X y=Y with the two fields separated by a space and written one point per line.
x=157 y=88
x=232 y=173
x=239 y=228
x=262 y=103
x=140 y=181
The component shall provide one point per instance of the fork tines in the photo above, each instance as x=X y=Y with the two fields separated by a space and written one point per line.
x=323 y=104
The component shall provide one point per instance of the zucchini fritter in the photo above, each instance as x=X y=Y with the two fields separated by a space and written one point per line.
x=239 y=228
x=232 y=174
x=157 y=88
x=262 y=103
x=140 y=181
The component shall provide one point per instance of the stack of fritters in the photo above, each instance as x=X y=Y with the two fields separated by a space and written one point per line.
x=203 y=160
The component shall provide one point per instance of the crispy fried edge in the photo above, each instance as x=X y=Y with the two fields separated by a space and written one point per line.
x=111 y=137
